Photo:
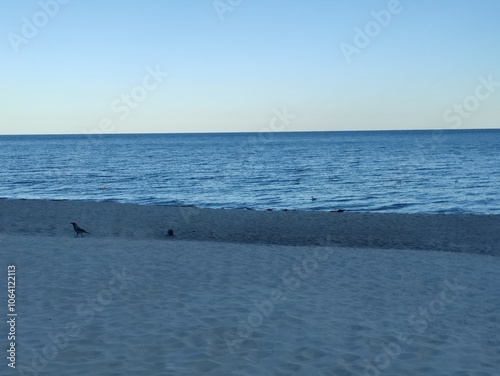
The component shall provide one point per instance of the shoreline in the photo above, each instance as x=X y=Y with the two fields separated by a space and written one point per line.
x=469 y=233
x=249 y=208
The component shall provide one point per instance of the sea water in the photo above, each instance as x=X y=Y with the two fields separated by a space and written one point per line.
x=455 y=171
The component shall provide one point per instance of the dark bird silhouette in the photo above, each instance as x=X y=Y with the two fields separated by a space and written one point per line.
x=313 y=198
x=79 y=230
x=170 y=232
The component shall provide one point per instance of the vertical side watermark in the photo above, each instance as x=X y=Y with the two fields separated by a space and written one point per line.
x=11 y=315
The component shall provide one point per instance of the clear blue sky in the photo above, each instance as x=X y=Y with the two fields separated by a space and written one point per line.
x=230 y=67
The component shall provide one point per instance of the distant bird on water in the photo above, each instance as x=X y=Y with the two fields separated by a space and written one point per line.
x=313 y=198
x=79 y=230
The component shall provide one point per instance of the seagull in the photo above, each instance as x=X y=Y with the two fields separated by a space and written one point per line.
x=79 y=230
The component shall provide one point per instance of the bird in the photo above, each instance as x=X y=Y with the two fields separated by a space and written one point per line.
x=313 y=198
x=79 y=230
x=170 y=232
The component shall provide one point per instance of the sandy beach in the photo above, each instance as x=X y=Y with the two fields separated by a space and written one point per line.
x=245 y=292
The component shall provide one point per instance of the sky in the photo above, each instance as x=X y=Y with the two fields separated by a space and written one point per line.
x=168 y=66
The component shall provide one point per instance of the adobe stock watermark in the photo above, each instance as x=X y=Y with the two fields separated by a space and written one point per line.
x=59 y=340
x=278 y=123
x=255 y=143
x=291 y=279
x=130 y=101
x=457 y=115
x=419 y=322
x=460 y=111
x=31 y=26
x=223 y=6
x=372 y=29
x=120 y=109
x=188 y=212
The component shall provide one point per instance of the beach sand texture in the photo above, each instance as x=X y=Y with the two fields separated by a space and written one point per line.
x=241 y=292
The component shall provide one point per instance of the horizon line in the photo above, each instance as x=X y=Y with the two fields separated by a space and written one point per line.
x=250 y=132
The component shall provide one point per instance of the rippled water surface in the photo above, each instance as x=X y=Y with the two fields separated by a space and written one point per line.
x=396 y=171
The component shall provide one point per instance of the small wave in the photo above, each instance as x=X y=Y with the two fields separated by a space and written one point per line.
x=393 y=207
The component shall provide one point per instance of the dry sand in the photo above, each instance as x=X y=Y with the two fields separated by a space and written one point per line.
x=240 y=292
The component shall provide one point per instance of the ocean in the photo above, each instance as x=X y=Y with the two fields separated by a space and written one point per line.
x=453 y=171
